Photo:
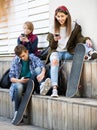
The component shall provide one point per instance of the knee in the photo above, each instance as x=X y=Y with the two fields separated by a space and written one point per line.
x=19 y=88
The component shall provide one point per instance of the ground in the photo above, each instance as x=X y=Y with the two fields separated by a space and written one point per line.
x=5 y=124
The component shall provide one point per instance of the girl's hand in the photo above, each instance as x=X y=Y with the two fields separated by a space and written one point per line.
x=57 y=37
x=89 y=43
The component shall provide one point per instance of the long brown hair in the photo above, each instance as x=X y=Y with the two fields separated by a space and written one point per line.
x=4 y=9
x=57 y=25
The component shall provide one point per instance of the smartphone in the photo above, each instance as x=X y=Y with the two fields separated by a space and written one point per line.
x=24 y=77
x=23 y=35
x=57 y=34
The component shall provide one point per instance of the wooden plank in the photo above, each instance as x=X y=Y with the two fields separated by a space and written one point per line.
x=41 y=30
x=88 y=115
x=1 y=102
x=45 y=113
x=22 y=13
x=87 y=78
x=75 y=117
x=3 y=30
x=14 y=35
x=37 y=10
x=64 y=119
x=11 y=108
x=36 y=3
x=44 y=23
x=4 y=36
x=15 y=28
x=70 y=117
x=94 y=118
x=4 y=42
x=59 y=112
x=81 y=117
x=39 y=17
x=7 y=106
x=3 y=25
x=40 y=112
x=17 y=2
x=19 y=7
x=14 y=21
x=50 y=114
x=33 y=110
x=94 y=79
x=55 y=114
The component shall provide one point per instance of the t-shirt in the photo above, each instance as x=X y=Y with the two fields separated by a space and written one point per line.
x=63 y=41
x=64 y=38
x=25 y=72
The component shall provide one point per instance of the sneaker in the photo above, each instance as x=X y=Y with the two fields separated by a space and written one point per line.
x=54 y=93
x=45 y=86
x=15 y=114
x=94 y=55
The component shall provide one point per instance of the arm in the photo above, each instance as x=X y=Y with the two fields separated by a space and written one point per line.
x=19 y=41
x=41 y=75
x=14 y=72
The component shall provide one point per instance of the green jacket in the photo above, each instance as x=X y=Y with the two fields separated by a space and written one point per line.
x=75 y=38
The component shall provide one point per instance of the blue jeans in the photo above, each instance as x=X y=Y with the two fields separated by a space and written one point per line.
x=61 y=56
x=17 y=89
x=55 y=67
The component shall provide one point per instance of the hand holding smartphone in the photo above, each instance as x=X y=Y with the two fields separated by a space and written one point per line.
x=23 y=35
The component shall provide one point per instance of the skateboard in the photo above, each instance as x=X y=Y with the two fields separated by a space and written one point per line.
x=24 y=102
x=75 y=74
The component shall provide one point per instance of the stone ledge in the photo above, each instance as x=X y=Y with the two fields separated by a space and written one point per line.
x=55 y=113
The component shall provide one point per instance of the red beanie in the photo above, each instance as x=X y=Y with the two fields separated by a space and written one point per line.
x=63 y=8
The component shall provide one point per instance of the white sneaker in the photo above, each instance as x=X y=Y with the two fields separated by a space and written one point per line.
x=93 y=55
x=15 y=114
x=45 y=86
x=54 y=93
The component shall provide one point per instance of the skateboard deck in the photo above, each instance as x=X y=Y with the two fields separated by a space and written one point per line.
x=76 y=69
x=24 y=102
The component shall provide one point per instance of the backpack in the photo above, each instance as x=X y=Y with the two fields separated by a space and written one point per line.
x=5 y=80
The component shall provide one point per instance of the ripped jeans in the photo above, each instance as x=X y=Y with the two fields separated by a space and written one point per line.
x=55 y=58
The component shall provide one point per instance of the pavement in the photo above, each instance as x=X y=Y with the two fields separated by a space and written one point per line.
x=5 y=124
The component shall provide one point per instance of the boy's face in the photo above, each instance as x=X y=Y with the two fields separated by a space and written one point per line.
x=24 y=55
x=26 y=30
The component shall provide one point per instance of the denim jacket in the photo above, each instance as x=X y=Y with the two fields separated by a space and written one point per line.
x=16 y=68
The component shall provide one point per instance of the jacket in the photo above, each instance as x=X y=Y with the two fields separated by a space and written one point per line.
x=16 y=68
x=31 y=45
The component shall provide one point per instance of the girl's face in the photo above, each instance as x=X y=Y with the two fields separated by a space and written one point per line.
x=26 y=30
x=61 y=18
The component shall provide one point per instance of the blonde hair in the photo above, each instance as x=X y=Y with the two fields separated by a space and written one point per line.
x=29 y=25
x=4 y=8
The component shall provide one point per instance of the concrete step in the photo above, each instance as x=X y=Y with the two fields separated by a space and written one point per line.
x=5 y=124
